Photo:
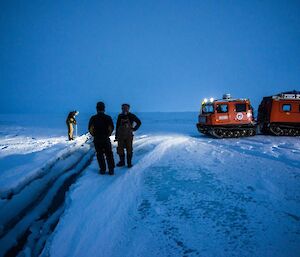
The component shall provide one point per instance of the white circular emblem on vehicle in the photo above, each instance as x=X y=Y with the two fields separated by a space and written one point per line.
x=239 y=116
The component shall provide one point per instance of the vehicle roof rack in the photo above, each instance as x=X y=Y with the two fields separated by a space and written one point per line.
x=227 y=98
x=232 y=100
x=290 y=95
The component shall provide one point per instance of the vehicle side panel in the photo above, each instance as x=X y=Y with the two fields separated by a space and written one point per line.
x=232 y=116
x=279 y=115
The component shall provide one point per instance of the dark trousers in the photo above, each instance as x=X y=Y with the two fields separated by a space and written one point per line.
x=70 y=131
x=104 y=149
x=125 y=143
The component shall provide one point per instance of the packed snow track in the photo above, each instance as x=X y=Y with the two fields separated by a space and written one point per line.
x=185 y=196
x=32 y=203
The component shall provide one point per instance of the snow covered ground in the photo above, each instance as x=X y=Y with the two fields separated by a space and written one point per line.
x=187 y=194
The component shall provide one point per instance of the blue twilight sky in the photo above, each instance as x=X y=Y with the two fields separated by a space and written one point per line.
x=56 y=56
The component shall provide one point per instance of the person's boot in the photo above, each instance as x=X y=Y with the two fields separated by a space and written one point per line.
x=121 y=163
x=129 y=160
x=102 y=172
x=111 y=172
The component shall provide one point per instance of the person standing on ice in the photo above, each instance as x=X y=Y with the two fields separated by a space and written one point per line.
x=124 y=134
x=70 y=122
x=101 y=127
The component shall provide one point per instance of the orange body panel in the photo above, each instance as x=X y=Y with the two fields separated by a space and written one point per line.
x=231 y=117
x=278 y=115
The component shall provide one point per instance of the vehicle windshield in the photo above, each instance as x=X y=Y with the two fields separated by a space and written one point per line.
x=207 y=108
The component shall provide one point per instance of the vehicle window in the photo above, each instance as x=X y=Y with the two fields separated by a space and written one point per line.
x=207 y=108
x=240 y=108
x=222 y=108
x=286 y=107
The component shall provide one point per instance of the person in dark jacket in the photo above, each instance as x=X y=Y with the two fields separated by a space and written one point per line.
x=101 y=127
x=71 y=121
x=127 y=123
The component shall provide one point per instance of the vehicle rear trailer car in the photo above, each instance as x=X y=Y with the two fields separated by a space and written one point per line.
x=279 y=114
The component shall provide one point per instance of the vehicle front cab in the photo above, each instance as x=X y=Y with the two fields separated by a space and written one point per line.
x=224 y=112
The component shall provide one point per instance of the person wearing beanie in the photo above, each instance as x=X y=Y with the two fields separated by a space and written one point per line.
x=101 y=127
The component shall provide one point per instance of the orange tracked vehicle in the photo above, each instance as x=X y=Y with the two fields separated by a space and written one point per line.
x=226 y=117
x=280 y=114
